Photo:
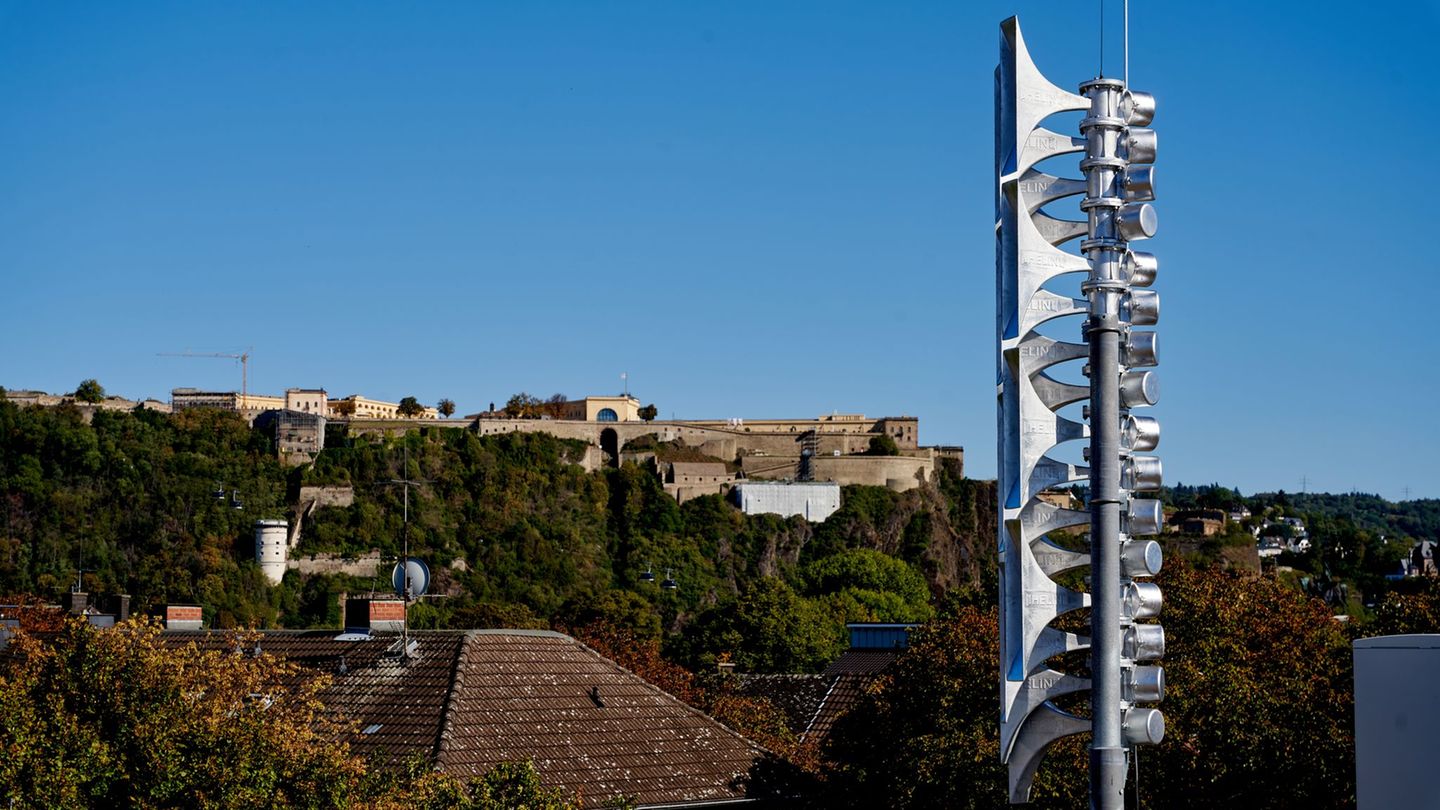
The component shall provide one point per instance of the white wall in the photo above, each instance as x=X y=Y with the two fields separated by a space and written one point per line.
x=814 y=501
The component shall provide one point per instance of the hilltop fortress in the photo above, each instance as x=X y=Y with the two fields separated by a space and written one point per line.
x=692 y=456
x=834 y=447
x=838 y=445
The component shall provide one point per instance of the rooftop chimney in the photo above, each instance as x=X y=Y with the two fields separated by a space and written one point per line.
x=78 y=600
x=183 y=617
x=374 y=615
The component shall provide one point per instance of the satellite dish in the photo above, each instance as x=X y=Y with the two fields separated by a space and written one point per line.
x=419 y=578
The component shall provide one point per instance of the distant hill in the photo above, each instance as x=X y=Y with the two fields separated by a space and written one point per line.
x=1418 y=519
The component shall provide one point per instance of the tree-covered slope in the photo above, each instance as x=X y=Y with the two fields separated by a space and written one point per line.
x=130 y=499
x=515 y=530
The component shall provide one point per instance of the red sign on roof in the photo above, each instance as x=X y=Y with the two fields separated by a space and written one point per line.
x=183 y=613
x=390 y=610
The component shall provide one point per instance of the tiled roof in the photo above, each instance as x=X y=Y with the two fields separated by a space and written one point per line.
x=861 y=662
x=845 y=692
x=798 y=696
x=401 y=705
x=590 y=725
x=473 y=699
x=848 y=677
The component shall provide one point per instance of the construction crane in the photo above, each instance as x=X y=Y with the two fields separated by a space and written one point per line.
x=243 y=357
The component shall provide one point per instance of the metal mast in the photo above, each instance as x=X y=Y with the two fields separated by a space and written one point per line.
x=1117 y=184
x=407 y=589
x=1104 y=289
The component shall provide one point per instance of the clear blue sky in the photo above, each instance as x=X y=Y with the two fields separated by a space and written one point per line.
x=755 y=209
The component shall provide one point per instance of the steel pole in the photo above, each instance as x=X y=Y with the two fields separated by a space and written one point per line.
x=1104 y=291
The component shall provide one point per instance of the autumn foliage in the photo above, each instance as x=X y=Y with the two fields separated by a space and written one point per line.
x=117 y=718
x=113 y=718
x=1258 y=711
x=1414 y=608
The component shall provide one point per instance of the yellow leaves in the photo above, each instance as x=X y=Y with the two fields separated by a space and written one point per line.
x=1258 y=695
x=122 y=716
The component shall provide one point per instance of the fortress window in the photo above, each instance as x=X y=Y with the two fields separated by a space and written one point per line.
x=606 y=415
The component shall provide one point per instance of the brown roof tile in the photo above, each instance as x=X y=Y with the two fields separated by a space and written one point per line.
x=405 y=700
x=844 y=693
x=471 y=700
x=798 y=696
x=522 y=693
x=848 y=677
x=861 y=662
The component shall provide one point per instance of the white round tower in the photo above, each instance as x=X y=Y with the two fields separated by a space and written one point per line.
x=272 y=546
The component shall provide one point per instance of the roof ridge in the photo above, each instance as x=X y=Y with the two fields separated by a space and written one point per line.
x=447 y=715
x=517 y=632
x=820 y=707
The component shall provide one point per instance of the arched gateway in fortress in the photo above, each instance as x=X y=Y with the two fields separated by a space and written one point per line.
x=768 y=448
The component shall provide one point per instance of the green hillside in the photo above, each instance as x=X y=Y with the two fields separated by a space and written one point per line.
x=515 y=531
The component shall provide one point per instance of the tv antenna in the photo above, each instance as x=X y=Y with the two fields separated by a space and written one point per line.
x=411 y=578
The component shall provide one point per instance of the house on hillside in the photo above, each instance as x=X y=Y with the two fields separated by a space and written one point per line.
x=1062 y=498
x=1421 y=562
x=1201 y=522
x=467 y=701
x=1291 y=530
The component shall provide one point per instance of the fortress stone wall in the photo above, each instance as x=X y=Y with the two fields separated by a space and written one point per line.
x=399 y=426
x=899 y=473
x=87 y=409
x=766 y=449
x=330 y=495
x=369 y=565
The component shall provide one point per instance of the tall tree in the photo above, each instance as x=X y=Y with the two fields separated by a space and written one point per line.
x=648 y=413
x=446 y=407
x=554 y=407
x=410 y=406
x=523 y=406
x=883 y=445
x=1412 y=608
x=90 y=391
x=767 y=628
